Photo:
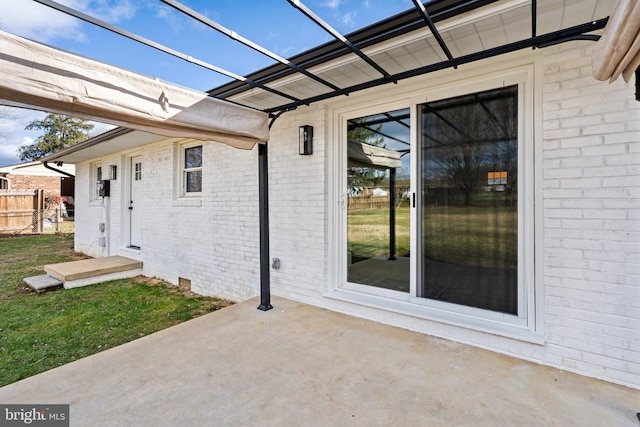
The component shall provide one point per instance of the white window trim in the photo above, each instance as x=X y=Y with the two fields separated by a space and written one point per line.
x=93 y=182
x=528 y=326
x=182 y=198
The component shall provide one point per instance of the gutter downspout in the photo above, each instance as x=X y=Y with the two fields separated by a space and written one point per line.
x=46 y=165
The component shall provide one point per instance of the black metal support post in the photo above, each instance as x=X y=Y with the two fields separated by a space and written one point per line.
x=392 y=214
x=263 y=203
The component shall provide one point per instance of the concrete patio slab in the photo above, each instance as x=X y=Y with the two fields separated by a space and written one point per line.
x=302 y=365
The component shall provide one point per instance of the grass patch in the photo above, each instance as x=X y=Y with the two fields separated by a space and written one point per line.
x=39 y=332
x=485 y=236
x=368 y=232
x=472 y=235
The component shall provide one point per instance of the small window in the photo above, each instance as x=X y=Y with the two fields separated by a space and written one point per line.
x=191 y=174
x=96 y=174
x=138 y=171
x=4 y=183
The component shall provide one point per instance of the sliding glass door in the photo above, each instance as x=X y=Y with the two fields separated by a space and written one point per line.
x=434 y=204
x=469 y=200
x=378 y=200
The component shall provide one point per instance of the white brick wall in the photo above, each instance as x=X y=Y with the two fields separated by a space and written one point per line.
x=591 y=234
x=215 y=245
x=298 y=216
x=591 y=272
x=591 y=239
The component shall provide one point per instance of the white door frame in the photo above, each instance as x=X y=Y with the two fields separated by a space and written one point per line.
x=132 y=226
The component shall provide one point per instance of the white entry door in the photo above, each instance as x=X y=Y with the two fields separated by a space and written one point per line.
x=135 y=213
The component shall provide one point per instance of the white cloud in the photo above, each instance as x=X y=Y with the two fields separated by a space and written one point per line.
x=168 y=15
x=110 y=10
x=349 y=18
x=12 y=124
x=36 y=21
x=13 y=134
x=33 y=20
x=332 y=4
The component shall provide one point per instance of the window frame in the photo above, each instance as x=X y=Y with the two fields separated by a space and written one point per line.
x=527 y=325
x=183 y=170
x=96 y=174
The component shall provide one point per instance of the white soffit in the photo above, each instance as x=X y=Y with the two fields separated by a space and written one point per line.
x=491 y=26
x=37 y=169
x=36 y=75
x=105 y=144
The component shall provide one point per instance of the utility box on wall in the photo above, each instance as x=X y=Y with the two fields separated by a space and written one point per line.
x=104 y=188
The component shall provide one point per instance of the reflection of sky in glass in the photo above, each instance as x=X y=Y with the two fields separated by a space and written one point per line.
x=393 y=129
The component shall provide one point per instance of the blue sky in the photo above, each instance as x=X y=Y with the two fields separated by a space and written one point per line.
x=273 y=24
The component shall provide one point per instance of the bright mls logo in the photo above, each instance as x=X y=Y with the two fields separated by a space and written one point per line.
x=34 y=415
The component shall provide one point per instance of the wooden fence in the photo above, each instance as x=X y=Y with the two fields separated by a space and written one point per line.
x=22 y=210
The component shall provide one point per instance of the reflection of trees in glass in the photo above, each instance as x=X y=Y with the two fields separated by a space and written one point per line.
x=193 y=169
x=466 y=137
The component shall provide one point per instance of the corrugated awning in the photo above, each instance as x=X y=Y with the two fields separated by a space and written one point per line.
x=38 y=76
x=618 y=50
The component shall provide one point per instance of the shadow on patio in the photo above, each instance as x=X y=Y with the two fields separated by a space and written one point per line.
x=302 y=365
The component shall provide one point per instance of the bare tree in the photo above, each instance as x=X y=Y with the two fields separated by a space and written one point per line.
x=468 y=136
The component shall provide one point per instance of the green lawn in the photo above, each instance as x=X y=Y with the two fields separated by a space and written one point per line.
x=484 y=236
x=41 y=331
x=368 y=232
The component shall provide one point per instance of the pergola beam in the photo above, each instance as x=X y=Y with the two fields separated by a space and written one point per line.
x=315 y=18
x=434 y=30
x=578 y=32
x=97 y=22
x=236 y=37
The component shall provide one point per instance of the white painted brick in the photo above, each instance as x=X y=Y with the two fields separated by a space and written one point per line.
x=604 y=150
x=581 y=183
x=583 y=162
x=589 y=143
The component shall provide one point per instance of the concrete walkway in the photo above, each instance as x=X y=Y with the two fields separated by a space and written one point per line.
x=303 y=366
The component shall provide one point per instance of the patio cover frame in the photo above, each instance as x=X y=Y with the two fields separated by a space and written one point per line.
x=428 y=14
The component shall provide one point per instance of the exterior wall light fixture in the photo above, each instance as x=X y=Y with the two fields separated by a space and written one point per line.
x=305 y=137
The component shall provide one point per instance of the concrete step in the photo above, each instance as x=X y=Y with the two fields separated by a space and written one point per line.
x=43 y=282
x=94 y=270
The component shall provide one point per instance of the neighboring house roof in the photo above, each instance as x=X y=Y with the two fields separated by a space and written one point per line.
x=37 y=169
